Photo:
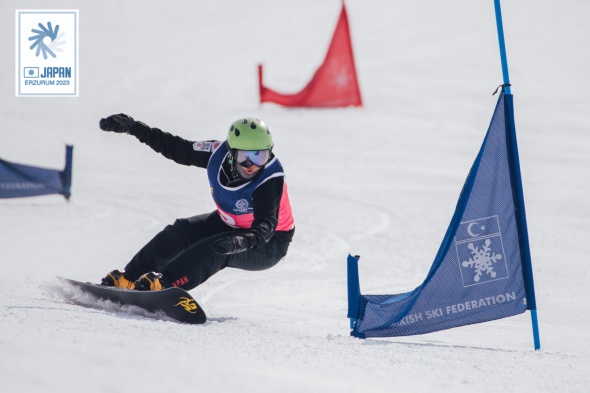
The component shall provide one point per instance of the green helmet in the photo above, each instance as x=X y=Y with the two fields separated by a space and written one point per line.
x=249 y=134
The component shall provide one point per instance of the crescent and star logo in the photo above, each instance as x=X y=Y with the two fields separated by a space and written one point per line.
x=472 y=232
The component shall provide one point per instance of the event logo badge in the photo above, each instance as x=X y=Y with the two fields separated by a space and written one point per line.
x=47 y=53
x=480 y=251
x=242 y=206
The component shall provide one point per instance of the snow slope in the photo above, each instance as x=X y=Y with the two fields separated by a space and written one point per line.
x=381 y=181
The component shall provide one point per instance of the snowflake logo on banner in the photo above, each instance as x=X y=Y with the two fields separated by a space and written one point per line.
x=482 y=260
x=480 y=251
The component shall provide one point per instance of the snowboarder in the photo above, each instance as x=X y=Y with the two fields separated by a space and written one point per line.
x=251 y=228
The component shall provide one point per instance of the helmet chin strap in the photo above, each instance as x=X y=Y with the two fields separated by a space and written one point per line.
x=232 y=165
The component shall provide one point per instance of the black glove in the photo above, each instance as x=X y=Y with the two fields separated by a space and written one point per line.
x=234 y=244
x=121 y=123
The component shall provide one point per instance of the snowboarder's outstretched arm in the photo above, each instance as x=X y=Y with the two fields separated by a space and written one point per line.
x=170 y=146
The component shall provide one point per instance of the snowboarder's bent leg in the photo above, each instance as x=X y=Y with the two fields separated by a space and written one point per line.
x=196 y=264
x=171 y=241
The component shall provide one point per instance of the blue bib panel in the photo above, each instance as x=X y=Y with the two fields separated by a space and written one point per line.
x=234 y=204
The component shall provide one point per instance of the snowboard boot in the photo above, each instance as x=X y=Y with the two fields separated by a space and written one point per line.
x=151 y=281
x=117 y=278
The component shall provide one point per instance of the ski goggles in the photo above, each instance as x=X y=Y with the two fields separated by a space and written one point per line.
x=247 y=158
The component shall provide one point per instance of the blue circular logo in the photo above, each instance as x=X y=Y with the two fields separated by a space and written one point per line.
x=46 y=40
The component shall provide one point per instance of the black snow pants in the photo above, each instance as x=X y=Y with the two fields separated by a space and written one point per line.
x=182 y=252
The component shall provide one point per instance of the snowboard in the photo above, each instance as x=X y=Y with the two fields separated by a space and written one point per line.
x=174 y=302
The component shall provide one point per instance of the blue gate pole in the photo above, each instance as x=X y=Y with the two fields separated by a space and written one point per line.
x=67 y=172
x=521 y=216
x=354 y=290
x=502 y=47
x=520 y=213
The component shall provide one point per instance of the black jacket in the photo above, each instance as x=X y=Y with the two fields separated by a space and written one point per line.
x=265 y=199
